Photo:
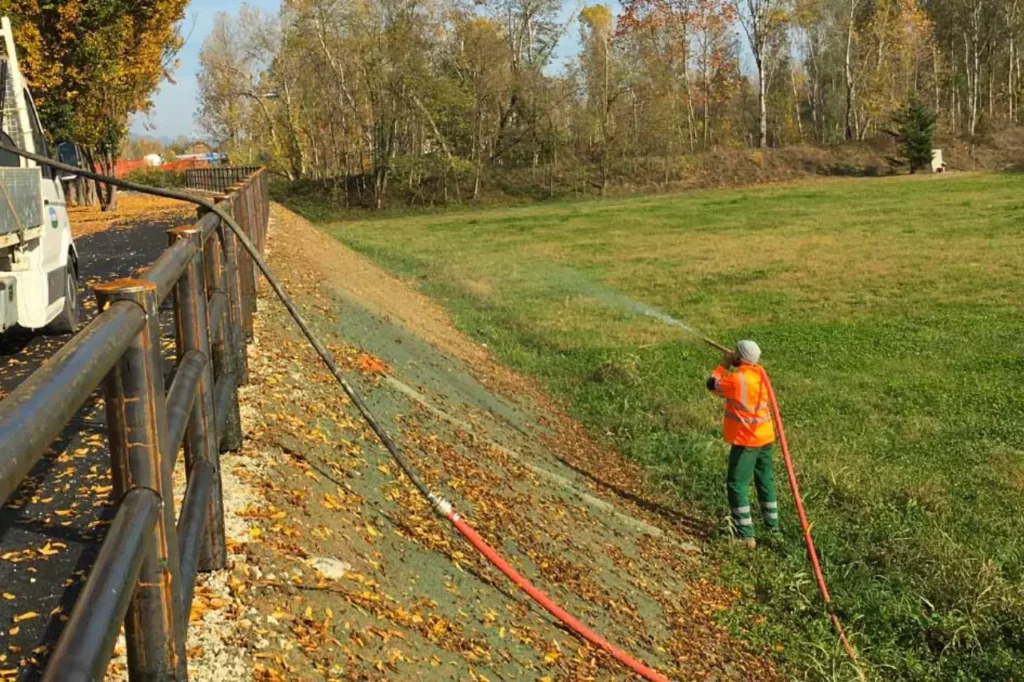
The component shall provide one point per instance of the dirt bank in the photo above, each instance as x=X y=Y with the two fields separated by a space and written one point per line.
x=339 y=570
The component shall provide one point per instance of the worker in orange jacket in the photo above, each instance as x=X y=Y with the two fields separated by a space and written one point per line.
x=748 y=428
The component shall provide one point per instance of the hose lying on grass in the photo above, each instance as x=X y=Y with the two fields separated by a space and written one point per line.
x=439 y=504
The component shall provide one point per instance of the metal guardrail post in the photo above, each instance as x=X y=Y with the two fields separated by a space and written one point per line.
x=233 y=287
x=192 y=326
x=220 y=340
x=137 y=425
x=247 y=269
x=265 y=202
x=247 y=195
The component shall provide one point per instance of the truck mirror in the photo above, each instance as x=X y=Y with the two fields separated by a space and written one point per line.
x=67 y=152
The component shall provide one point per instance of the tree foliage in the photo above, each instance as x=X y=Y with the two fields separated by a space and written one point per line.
x=437 y=100
x=914 y=126
x=91 y=64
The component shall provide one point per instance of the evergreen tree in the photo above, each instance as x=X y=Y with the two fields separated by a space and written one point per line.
x=915 y=124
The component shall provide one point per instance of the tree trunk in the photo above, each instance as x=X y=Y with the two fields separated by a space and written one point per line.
x=705 y=81
x=972 y=58
x=851 y=87
x=762 y=104
x=1010 y=94
x=796 y=104
x=81 y=192
x=107 y=194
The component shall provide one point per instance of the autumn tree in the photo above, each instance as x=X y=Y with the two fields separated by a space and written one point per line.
x=139 y=147
x=480 y=61
x=441 y=100
x=596 y=30
x=657 y=34
x=225 y=70
x=111 y=56
x=714 y=61
x=91 y=64
x=895 y=45
x=239 y=93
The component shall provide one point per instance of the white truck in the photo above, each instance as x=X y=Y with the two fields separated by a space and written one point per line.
x=38 y=260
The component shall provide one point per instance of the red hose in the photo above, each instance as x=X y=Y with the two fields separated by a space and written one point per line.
x=808 y=540
x=558 y=612
x=440 y=505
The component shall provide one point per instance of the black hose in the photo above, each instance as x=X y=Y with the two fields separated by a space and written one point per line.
x=440 y=505
x=324 y=354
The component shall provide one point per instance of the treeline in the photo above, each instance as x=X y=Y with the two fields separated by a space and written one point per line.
x=90 y=65
x=438 y=96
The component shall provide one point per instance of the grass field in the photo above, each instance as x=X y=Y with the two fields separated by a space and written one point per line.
x=890 y=315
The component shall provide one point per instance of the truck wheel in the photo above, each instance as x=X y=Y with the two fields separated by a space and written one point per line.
x=67 y=321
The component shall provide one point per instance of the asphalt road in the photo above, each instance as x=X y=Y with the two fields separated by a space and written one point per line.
x=52 y=527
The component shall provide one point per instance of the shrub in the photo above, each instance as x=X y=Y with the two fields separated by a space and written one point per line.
x=915 y=124
x=155 y=177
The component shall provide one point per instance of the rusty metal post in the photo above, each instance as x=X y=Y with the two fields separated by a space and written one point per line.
x=245 y=220
x=253 y=218
x=252 y=190
x=137 y=426
x=233 y=285
x=263 y=208
x=191 y=326
x=220 y=336
x=266 y=200
x=261 y=201
x=247 y=268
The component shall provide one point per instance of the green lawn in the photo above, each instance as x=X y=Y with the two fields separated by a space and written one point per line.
x=890 y=315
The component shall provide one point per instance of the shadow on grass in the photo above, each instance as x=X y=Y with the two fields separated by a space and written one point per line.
x=694 y=525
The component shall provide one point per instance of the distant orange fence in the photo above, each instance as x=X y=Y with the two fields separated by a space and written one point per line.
x=124 y=167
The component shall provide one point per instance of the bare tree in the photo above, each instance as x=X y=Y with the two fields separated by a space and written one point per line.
x=848 y=76
x=236 y=91
x=763 y=21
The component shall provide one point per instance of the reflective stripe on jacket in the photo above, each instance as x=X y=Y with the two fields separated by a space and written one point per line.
x=748 y=421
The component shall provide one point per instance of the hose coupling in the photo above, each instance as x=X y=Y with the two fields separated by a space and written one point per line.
x=442 y=506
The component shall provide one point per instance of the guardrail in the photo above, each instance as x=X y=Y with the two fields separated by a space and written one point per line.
x=216 y=179
x=145 y=572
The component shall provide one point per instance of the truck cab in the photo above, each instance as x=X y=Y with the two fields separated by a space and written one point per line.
x=38 y=260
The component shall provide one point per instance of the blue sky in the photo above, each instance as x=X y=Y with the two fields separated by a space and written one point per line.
x=175 y=104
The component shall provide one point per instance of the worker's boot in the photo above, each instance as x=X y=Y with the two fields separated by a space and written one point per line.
x=749 y=543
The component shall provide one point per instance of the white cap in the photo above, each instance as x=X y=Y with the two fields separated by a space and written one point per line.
x=748 y=351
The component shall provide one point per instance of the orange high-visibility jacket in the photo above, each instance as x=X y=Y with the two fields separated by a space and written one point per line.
x=748 y=421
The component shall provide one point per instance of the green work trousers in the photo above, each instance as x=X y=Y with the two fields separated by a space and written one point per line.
x=746 y=463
